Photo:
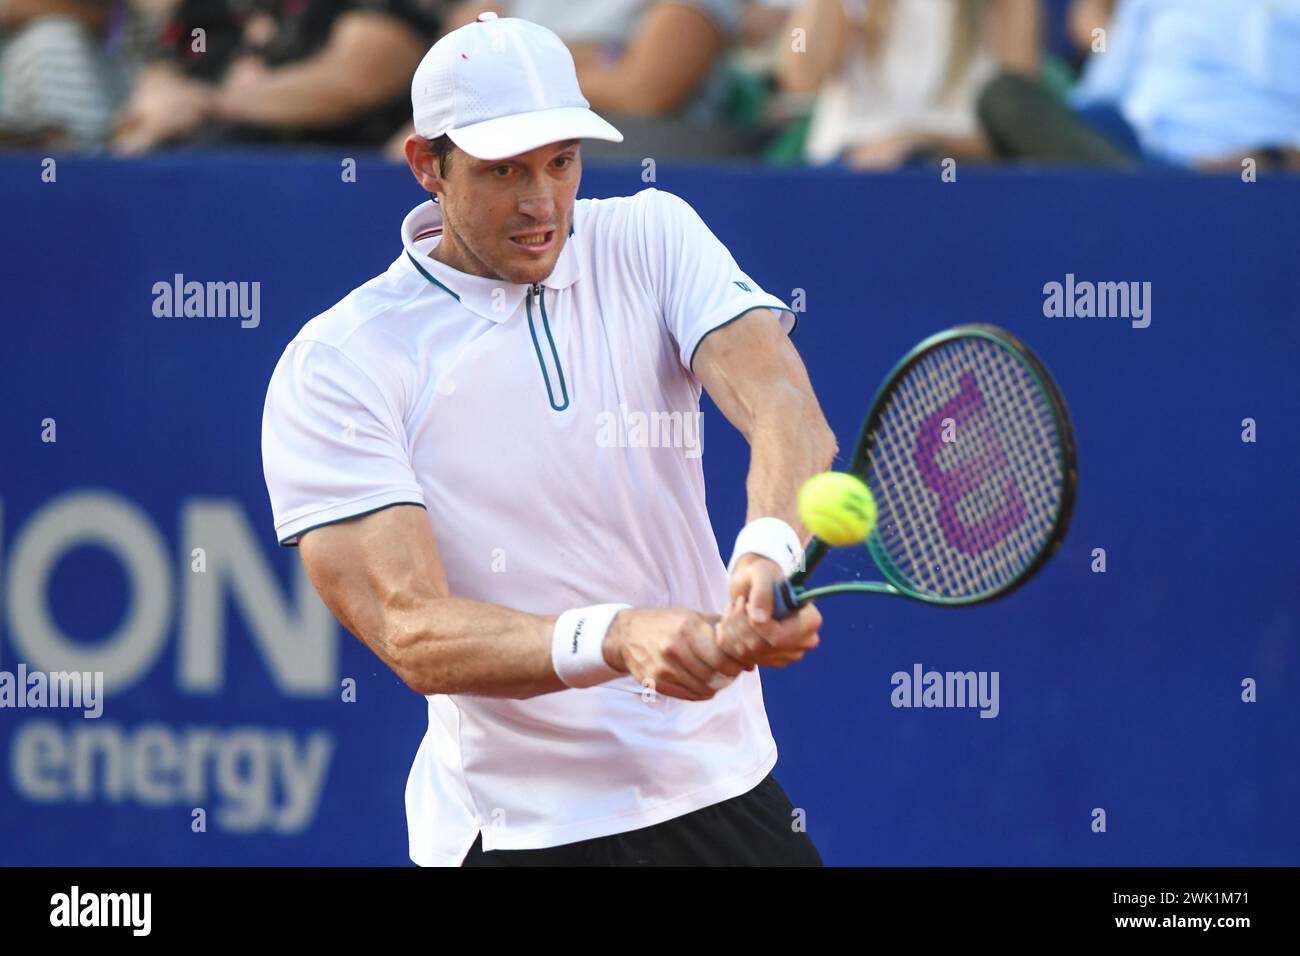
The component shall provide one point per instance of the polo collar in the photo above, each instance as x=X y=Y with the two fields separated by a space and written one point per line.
x=479 y=294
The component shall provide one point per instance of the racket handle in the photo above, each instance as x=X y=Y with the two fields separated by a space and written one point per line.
x=784 y=602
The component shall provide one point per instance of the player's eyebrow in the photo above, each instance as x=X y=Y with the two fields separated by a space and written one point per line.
x=493 y=163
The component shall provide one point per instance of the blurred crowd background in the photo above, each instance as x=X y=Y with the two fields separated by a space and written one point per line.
x=861 y=84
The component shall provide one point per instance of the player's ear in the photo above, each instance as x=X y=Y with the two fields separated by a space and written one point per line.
x=424 y=162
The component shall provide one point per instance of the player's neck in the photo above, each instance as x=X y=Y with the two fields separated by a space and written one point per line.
x=450 y=253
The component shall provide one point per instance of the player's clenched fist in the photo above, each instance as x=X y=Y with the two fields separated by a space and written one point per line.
x=673 y=651
x=749 y=633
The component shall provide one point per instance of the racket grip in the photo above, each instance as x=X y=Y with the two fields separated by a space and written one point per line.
x=784 y=602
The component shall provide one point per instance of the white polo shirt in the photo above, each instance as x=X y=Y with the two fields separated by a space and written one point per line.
x=551 y=434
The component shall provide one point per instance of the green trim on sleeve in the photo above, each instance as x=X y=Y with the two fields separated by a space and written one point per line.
x=287 y=543
x=723 y=325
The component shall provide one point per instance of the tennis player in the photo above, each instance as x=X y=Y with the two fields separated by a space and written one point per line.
x=488 y=457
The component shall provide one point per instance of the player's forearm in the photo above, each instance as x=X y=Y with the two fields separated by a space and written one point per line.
x=790 y=442
x=382 y=577
x=456 y=646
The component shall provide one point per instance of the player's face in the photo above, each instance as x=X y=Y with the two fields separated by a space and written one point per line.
x=509 y=218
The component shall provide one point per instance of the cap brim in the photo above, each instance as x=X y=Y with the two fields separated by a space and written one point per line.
x=511 y=135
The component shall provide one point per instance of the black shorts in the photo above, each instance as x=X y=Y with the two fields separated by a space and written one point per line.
x=758 y=828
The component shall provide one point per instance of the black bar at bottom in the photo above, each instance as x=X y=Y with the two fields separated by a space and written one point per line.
x=304 y=906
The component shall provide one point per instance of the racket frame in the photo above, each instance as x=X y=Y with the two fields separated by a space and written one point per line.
x=794 y=592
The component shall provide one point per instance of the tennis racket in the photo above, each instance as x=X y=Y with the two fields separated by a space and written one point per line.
x=969 y=453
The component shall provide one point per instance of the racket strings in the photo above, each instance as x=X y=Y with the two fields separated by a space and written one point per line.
x=966 y=467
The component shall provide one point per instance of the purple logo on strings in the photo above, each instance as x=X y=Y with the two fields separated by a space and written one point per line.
x=967 y=410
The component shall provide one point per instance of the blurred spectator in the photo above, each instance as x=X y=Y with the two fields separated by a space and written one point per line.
x=57 y=85
x=329 y=72
x=656 y=70
x=756 y=96
x=1083 y=19
x=897 y=80
x=764 y=21
x=1193 y=83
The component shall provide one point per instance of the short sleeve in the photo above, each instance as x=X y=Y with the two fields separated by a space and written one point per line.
x=333 y=446
x=699 y=285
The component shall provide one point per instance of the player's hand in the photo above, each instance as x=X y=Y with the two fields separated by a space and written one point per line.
x=671 y=652
x=748 y=632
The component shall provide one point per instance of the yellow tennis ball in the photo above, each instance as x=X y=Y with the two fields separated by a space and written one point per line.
x=837 y=507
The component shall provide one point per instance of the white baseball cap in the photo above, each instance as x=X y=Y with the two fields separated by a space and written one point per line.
x=501 y=86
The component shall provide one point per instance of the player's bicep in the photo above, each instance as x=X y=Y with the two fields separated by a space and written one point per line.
x=377 y=574
x=700 y=286
x=750 y=368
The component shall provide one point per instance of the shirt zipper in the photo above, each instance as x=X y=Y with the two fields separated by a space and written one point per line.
x=536 y=292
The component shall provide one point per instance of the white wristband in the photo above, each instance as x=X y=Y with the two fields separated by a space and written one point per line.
x=769 y=538
x=577 y=646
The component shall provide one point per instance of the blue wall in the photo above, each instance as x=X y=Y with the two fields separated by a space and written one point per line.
x=1118 y=690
